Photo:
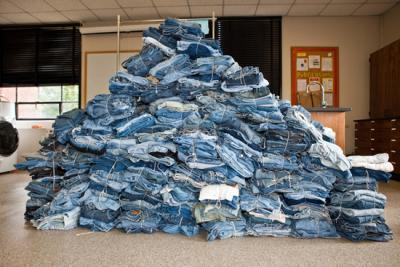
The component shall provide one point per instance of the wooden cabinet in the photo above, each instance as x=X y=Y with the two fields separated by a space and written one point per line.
x=385 y=81
x=335 y=121
x=379 y=136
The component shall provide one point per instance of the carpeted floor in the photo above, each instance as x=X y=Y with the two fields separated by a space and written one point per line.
x=22 y=245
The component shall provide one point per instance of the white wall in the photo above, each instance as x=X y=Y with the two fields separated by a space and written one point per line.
x=390 y=26
x=100 y=43
x=99 y=68
x=356 y=38
x=29 y=141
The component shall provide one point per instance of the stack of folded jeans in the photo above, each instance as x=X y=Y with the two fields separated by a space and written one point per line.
x=356 y=208
x=243 y=80
x=140 y=64
x=188 y=140
x=302 y=187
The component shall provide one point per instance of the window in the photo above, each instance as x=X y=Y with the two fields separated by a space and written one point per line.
x=41 y=102
x=254 y=41
x=40 y=68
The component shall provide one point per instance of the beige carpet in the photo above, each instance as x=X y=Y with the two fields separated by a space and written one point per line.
x=22 y=245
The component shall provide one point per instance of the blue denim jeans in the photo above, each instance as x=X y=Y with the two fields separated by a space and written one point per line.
x=156 y=34
x=225 y=229
x=172 y=69
x=378 y=175
x=65 y=122
x=135 y=124
x=62 y=221
x=178 y=28
x=197 y=49
x=106 y=109
x=178 y=219
x=127 y=84
x=139 y=65
x=136 y=221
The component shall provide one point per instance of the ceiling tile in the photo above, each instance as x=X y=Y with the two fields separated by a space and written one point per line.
x=339 y=9
x=175 y=12
x=109 y=13
x=382 y=1
x=276 y=2
x=305 y=10
x=20 y=18
x=272 y=10
x=9 y=7
x=100 y=4
x=142 y=13
x=239 y=10
x=4 y=21
x=240 y=2
x=80 y=15
x=50 y=17
x=63 y=5
x=205 y=11
x=33 y=5
x=313 y=1
x=373 y=9
x=135 y=3
x=347 y=1
x=206 y=2
x=169 y=3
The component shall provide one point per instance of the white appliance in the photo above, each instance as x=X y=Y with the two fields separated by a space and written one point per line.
x=7 y=112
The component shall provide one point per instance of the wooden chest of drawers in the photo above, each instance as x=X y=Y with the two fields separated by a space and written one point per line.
x=379 y=136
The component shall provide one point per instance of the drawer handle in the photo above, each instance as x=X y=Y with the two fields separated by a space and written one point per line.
x=372 y=121
x=372 y=149
x=356 y=138
x=394 y=163
x=394 y=129
x=393 y=120
x=372 y=139
x=393 y=140
x=372 y=129
x=392 y=151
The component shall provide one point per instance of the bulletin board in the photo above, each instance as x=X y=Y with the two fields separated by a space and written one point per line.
x=315 y=64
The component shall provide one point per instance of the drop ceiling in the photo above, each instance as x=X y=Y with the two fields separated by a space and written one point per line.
x=61 y=11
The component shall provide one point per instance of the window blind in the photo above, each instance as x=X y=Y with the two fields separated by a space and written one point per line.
x=254 y=41
x=40 y=55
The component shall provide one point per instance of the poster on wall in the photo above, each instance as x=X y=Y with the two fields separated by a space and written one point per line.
x=302 y=64
x=327 y=64
x=301 y=85
x=312 y=66
x=314 y=61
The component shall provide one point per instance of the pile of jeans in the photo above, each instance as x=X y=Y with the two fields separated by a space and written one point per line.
x=186 y=141
x=356 y=207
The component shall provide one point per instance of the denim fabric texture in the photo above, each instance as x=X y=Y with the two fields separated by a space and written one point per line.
x=187 y=140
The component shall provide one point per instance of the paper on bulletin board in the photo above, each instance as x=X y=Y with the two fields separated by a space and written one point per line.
x=314 y=87
x=328 y=84
x=314 y=61
x=327 y=64
x=302 y=64
x=301 y=85
x=329 y=99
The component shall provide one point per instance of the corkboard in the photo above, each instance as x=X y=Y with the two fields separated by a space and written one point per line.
x=315 y=64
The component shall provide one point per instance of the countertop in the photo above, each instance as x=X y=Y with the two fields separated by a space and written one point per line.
x=328 y=109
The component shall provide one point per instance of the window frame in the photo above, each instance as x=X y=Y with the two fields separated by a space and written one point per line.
x=60 y=103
